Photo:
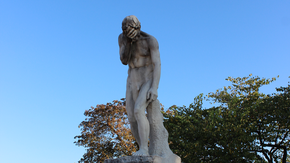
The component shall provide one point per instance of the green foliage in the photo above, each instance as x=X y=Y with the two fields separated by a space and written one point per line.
x=287 y=160
x=244 y=126
x=105 y=133
x=207 y=135
x=273 y=125
x=266 y=117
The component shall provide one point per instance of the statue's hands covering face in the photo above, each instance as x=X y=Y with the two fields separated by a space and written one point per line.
x=131 y=32
x=131 y=28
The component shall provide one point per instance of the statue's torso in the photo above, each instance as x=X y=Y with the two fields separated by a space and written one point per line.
x=140 y=64
x=140 y=54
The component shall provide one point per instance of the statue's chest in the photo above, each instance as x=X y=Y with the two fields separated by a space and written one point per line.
x=141 y=48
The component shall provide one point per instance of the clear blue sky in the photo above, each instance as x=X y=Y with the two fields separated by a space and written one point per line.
x=59 y=57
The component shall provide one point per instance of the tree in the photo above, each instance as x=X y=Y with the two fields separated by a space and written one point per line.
x=267 y=116
x=246 y=126
x=207 y=135
x=273 y=126
x=105 y=133
x=288 y=159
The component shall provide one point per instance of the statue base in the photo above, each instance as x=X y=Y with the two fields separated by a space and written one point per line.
x=159 y=150
x=145 y=159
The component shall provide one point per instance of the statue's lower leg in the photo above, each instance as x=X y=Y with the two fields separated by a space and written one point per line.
x=143 y=130
x=134 y=130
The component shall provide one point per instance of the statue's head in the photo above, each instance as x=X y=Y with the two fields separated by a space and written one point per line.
x=131 y=21
x=131 y=26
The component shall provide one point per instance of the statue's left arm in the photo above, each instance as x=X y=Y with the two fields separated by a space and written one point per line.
x=155 y=57
x=124 y=48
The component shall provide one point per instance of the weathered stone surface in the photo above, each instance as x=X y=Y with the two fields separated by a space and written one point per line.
x=140 y=51
x=158 y=145
x=135 y=159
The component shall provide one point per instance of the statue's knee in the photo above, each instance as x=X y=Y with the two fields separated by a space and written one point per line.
x=139 y=113
x=132 y=119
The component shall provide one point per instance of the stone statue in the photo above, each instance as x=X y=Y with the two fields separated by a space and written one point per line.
x=140 y=51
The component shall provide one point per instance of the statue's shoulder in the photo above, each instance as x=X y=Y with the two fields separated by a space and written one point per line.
x=151 y=40
x=120 y=37
x=147 y=36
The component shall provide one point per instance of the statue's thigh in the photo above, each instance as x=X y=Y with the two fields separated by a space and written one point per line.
x=130 y=104
x=141 y=103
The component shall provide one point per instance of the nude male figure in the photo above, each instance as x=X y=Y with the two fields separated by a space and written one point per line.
x=140 y=51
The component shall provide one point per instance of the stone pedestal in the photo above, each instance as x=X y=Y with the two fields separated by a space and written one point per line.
x=159 y=150
x=141 y=159
x=158 y=144
x=135 y=159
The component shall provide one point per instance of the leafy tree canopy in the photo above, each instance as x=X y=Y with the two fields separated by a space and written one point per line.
x=245 y=126
x=105 y=133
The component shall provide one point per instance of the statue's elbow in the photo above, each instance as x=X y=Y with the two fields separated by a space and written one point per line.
x=124 y=62
x=157 y=64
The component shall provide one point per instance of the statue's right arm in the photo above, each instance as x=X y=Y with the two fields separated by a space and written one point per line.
x=124 y=50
